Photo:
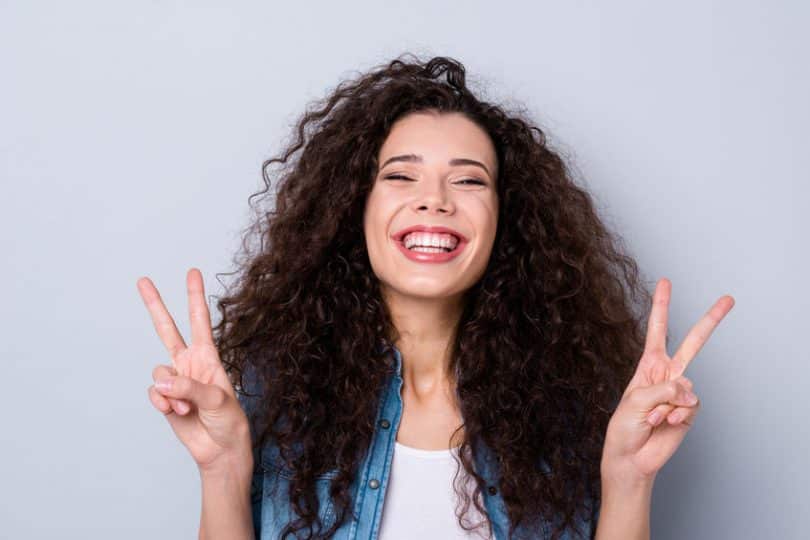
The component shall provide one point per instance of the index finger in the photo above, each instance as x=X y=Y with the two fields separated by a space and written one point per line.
x=198 y=308
x=164 y=324
x=699 y=335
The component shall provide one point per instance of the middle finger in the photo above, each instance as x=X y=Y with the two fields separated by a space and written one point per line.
x=657 y=323
x=198 y=308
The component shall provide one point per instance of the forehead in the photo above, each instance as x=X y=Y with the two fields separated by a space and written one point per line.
x=438 y=138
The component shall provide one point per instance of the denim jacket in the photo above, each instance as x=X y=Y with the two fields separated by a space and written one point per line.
x=270 y=505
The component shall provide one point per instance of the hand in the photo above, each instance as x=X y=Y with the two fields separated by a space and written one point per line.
x=658 y=407
x=200 y=402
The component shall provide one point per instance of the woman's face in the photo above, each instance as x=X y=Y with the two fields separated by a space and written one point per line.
x=434 y=170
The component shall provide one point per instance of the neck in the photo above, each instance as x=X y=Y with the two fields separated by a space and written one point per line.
x=427 y=328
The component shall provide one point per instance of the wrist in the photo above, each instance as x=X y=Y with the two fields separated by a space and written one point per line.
x=624 y=510
x=226 y=499
x=625 y=480
x=236 y=464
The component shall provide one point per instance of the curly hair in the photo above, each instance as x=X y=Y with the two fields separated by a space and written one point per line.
x=548 y=337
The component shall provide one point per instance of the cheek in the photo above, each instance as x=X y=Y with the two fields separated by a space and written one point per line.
x=370 y=218
x=486 y=218
x=374 y=228
x=378 y=212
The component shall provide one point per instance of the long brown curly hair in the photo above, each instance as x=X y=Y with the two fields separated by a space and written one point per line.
x=547 y=341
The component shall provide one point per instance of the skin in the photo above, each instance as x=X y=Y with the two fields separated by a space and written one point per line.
x=425 y=299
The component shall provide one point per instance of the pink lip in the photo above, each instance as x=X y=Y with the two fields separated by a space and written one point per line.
x=430 y=257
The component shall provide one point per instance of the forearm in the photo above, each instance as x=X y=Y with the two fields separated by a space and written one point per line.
x=624 y=513
x=226 y=508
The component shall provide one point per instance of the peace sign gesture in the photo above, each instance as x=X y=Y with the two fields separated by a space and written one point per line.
x=658 y=406
x=195 y=392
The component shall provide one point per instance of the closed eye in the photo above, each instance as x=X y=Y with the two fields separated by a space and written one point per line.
x=401 y=177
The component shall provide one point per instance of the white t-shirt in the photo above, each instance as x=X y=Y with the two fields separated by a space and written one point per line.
x=420 y=500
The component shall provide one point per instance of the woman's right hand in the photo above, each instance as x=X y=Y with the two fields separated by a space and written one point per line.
x=200 y=403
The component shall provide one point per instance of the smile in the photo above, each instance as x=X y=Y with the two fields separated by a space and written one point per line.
x=435 y=255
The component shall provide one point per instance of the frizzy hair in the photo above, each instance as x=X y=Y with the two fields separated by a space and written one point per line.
x=547 y=341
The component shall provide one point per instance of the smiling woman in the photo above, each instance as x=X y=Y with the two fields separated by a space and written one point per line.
x=433 y=304
x=424 y=189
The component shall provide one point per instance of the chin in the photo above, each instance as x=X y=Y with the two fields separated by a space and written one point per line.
x=427 y=292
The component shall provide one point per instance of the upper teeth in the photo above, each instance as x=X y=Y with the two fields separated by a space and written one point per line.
x=447 y=241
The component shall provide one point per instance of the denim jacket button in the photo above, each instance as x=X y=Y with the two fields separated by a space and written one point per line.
x=492 y=490
x=373 y=483
x=385 y=424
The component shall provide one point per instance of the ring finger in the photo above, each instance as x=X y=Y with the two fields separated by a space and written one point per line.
x=663 y=410
x=180 y=406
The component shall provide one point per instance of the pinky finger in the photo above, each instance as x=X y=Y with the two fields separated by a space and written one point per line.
x=180 y=406
x=659 y=413
x=683 y=415
x=158 y=401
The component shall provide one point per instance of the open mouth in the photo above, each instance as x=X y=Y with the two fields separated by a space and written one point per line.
x=420 y=250
x=431 y=243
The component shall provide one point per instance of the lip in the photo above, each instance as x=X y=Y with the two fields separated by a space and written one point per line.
x=430 y=257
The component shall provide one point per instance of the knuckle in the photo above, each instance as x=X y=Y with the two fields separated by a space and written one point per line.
x=160 y=371
x=683 y=381
x=672 y=388
x=219 y=399
x=181 y=385
x=154 y=398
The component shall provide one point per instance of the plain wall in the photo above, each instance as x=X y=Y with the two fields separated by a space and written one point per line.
x=132 y=134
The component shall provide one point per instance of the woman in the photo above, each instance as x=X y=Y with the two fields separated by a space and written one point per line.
x=431 y=289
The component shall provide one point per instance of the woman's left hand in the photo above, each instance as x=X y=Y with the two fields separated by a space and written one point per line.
x=656 y=411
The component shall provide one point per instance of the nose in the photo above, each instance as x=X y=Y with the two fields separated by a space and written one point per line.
x=434 y=199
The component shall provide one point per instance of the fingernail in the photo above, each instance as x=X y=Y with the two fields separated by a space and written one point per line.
x=163 y=384
x=691 y=398
x=654 y=418
x=182 y=407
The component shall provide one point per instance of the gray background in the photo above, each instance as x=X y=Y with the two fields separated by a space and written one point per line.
x=131 y=135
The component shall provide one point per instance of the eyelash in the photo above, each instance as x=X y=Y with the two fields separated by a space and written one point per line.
x=399 y=176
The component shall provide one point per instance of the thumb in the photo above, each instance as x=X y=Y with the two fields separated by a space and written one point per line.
x=645 y=398
x=204 y=396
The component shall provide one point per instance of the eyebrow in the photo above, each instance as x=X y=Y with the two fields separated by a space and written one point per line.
x=414 y=158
